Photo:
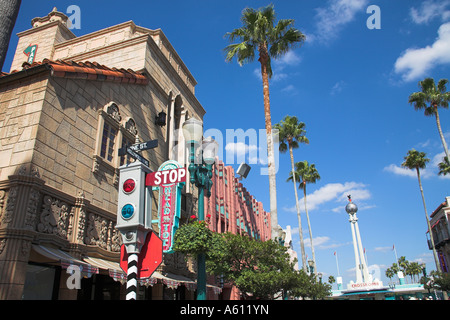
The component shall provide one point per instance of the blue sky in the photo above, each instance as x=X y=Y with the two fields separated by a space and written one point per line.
x=347 y=83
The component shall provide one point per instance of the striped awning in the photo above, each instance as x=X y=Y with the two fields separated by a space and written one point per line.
x=64 y=259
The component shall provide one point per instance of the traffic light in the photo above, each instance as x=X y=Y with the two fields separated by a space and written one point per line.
x=134 y=210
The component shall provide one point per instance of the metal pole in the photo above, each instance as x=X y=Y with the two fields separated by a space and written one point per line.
x=364 y=271
x=201 y=265
x=355 y=248
x=132 y=276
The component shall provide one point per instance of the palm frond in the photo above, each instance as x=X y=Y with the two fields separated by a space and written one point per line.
x=415 y=159
x=444 y=167
x=243 y=52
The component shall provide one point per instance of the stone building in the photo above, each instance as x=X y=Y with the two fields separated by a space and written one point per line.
x=63 y=116
x=440 y=226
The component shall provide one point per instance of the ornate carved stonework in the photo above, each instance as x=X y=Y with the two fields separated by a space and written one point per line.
x=2 y=245
x=32 y=209
x=54 y=218
x=113 y=111
x=97 y=231
x=130 y=125
x=10 y=203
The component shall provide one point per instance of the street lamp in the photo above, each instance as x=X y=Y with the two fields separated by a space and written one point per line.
x=311 y=266
x=200 y=170
x=281 y=236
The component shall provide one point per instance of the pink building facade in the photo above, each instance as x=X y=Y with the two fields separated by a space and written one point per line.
x=231 y=208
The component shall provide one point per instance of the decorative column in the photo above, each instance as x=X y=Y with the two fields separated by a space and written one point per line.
x=362 y=274
x=18 y=220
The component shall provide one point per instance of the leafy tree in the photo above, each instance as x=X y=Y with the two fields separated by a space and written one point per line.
x=259 y=34
x=309 y=286
x=429 y=99
x=9 y=10
x=260 y=268
x=441 y=281
x=292 y=132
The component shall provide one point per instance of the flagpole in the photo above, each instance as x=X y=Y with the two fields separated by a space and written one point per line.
x=395 y=252
x=337 y=263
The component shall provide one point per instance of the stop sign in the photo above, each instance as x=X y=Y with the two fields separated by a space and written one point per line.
x=149 y=258
x=166 y=177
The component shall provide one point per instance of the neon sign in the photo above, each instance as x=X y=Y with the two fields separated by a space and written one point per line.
x=169 y=201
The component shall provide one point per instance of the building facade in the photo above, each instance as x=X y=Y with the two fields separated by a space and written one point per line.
x=439 y=221
x=65 y=111
x=231 y=208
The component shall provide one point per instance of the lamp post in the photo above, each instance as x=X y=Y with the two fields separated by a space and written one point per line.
x=311 y=266
x=200 y=170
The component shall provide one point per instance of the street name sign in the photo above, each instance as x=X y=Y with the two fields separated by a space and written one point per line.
x=135 y=148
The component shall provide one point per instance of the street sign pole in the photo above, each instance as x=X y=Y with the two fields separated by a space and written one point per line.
x=134 y=210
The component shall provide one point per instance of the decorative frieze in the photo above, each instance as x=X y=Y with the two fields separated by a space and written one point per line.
x=10 y=204
x=54 y=217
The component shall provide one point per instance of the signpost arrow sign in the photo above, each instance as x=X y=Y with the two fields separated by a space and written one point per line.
x=135 y=148
x=137 y=156
x=144 y=146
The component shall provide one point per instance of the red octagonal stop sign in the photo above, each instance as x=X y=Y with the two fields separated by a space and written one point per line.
x=149 y=259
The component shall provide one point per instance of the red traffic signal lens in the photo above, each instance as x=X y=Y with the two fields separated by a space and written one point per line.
x=129 y=185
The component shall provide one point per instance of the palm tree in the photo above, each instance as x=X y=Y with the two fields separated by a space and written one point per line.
x=8 y=15
x=308 y=174
x=260 y=34
x=291 y=133
x=444 y=167
x=417 y=160
x=430 y=99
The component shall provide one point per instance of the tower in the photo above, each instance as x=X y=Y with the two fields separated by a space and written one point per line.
x=362 y=273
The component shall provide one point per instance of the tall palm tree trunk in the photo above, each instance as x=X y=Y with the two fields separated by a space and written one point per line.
x=309 y=227
x=436 y=260
x=438 y=122
x=9 y=9
x=300 y=230
x=263 y=59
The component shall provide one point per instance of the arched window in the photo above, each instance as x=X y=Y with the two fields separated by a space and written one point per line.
x=113 y=133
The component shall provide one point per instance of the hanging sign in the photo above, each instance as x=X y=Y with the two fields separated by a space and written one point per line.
x=169 y=179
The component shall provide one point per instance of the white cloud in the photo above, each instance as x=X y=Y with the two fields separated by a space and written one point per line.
x=383 y=249
x=415 y=63
x=337 y=88
x=239 y=148
x=290 y=89
x=333 y=192
x=290 y=58
x=430 y=10
x=400 y=171
x=430 y=171
x=331 y=19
